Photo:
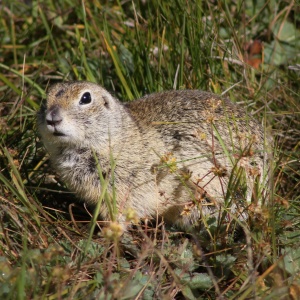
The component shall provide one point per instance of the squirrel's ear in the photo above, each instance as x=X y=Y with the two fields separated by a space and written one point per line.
x=106 y=101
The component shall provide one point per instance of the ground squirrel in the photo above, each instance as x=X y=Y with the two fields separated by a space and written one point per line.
x=174 y=152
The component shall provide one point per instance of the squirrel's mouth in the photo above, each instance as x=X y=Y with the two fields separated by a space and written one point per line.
x=57 y=133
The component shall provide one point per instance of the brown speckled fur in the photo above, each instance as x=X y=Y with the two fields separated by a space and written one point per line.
x=174 y=151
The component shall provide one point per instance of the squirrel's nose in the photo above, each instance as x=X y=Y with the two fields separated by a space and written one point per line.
x=53 y=116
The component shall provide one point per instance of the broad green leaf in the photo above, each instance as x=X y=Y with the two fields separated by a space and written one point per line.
x=200 y=281
x=291 y=260
x=278 y=53
x=286 y=32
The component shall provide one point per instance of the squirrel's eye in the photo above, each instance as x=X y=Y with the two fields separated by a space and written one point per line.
x=85 y=98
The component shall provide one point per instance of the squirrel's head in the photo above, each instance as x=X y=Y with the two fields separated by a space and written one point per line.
x=79 y=113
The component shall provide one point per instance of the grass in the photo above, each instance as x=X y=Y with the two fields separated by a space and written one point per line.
x=248 y=50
